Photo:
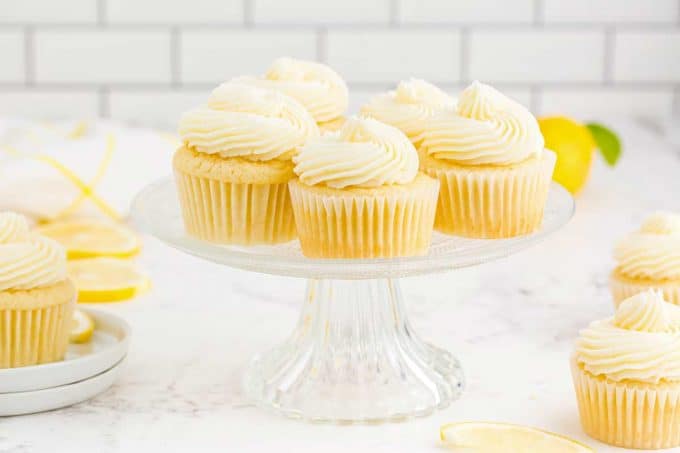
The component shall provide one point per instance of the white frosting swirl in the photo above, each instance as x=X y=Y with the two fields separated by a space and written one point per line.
x=487 y=129
x=27 y=260
x=245 y=121
x=363 y=153
x=316 y=86
x=654 y=251
x=13 y=227
x=409 y=107
x=640 y=343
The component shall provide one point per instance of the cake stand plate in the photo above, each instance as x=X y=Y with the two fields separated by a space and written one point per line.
x=353 y=356
x=21 y=403
x=108 y=346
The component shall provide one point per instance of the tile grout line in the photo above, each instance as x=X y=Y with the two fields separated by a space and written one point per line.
x=175 y=56
x=539 y=13
x=29 y=56
x=248 y=13
x=101 y=12
x=369 y=26
x=394 y=13
x=608 y=57
x=535 y=98
x=322 y=45
x=104 y=102
x=464 y=60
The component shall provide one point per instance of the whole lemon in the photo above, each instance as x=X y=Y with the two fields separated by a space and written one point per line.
x=574 y=145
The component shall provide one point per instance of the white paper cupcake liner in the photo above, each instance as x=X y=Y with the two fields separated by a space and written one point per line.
x=235 y=213
x=492 y=202
x=628 y=415
x=360 y=225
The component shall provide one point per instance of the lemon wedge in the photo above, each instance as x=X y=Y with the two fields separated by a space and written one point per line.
x=91 y=238
x=83 y=327
x=106 y=279
x=485 y=437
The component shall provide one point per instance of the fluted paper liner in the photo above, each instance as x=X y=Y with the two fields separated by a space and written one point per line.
x=492 y=202
x=628 y=414
x=622 y=288
x=388 y=223
x=36 y=332
x=235 y=213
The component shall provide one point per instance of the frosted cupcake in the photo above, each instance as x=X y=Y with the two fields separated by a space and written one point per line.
x=316 y=86
x=233 y=169
x=649 y=258
x=409 y=107
x=490 y=161
x=626 y=372
x=359 y=194
x=36 y=298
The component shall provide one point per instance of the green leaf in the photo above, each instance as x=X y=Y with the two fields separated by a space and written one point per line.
x=607 y=141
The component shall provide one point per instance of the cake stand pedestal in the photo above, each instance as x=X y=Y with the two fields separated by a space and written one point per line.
x=353 y=356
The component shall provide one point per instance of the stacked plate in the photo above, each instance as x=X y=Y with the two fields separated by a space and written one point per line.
x=87 y=370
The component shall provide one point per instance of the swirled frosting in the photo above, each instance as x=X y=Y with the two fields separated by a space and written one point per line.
x=640 y=343
x=316 y=86
x=27 y=260
x=13 y=227
x=250 y=122
x=653 y=252
x=488 y=128
x=409 y=107
x=363 y=153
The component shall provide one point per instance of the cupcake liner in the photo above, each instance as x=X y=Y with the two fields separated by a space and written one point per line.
x=235 y=213
x=388 y=223
x=627 y=414
x=492 y=202
x=623 y=288
x=36 y=334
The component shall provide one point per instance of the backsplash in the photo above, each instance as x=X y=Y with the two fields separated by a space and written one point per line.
x=146 y=61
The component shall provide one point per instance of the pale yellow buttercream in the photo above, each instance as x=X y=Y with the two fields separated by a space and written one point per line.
x=488 y=128
x=363 y=153
x=409 y=107
x=316 y=86
x=641 y=342
x=27 y=260
x=653 y=252
x=245 y=121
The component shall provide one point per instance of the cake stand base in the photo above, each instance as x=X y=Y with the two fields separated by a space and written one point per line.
x=354 y=357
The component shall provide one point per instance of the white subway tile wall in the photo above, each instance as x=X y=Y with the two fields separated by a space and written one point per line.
x=146 y=61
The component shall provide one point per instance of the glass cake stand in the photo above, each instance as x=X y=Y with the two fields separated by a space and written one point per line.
x=353 y=356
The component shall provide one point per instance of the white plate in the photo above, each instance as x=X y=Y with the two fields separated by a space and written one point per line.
x=108 y=346
x=21 y=403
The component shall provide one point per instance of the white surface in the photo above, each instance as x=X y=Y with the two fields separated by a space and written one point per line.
x=21 y=403
x=108 y=346
x=511 y=322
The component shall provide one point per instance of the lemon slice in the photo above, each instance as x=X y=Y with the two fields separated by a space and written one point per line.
x=91 y=238
x=83 y=327
x=485 y=437
x=106 y=279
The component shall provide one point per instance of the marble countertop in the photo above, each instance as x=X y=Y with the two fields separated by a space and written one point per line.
x=511 y=323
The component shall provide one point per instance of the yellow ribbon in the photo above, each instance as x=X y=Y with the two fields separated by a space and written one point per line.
x=87 y=190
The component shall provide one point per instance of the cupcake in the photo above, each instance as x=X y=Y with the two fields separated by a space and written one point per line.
x=359 y=194
x=409 y=107
x=316 y=86
x=649 y=258
x=36 y=298
x=234 y=165
x=490 y=161
x=626 y=372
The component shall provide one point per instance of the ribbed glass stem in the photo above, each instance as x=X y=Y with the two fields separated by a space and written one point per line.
x=354 y=357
